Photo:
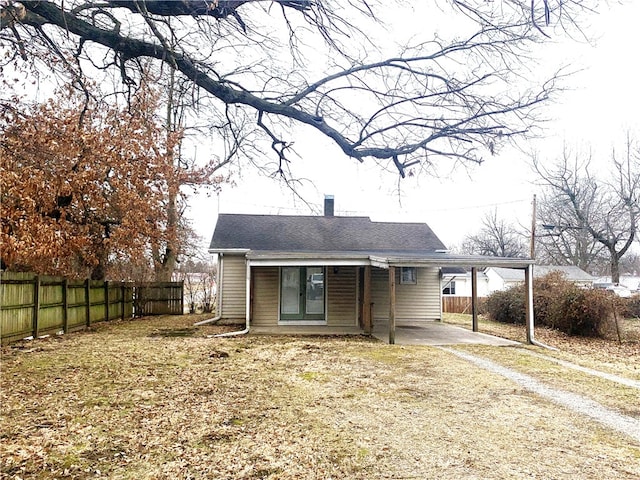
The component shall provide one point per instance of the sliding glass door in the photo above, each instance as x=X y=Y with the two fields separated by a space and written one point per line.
x=302 y=293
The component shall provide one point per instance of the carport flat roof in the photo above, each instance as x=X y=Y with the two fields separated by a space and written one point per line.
x=382 y=259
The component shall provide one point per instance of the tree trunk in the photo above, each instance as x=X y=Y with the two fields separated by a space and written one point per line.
x=99 y=272
x=165 y=262
x=615 y=265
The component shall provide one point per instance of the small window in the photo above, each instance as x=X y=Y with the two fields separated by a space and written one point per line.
x=450 y=289
x=408 y=275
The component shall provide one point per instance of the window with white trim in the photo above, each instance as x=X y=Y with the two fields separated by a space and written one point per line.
x=450 y=288
x=408 y=275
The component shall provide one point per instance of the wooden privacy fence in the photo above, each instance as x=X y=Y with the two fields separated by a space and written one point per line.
x=452 y=304
x=159 y=298
x=33 y=305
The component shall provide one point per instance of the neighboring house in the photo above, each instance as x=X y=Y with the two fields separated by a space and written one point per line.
x=331 y=273
x=456 y=282
x=632 y=282
x=503 y=278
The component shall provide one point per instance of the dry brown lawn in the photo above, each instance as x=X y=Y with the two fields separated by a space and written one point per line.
x=608 y=354
x=160 y=399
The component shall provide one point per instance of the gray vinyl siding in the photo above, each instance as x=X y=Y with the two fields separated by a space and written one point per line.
x=265 y=296
x=414 y=303
x=342 y=297
x=234 y=287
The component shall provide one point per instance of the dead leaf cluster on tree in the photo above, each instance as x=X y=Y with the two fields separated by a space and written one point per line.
x=245 y=77
x=83 y=185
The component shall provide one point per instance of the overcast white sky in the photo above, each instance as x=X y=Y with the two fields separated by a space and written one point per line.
x=603 y=104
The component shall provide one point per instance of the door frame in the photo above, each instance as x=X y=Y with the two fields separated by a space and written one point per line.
x=302 y=318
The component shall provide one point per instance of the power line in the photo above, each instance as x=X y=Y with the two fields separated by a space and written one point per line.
x=317 y=207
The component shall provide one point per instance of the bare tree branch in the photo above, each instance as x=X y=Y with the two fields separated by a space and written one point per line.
x=576 y=203
x=443 y=99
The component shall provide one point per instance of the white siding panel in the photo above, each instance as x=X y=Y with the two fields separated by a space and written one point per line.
x=421 y=301
x=342 y=297
x=414 y=303
x=265 y=296
x=234 y=286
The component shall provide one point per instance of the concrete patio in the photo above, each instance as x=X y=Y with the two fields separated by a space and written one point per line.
x=437 y=333
x=423 y=333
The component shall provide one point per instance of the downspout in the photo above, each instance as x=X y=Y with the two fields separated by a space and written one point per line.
x=218 y=297
x=247 y=306
x=528 y=272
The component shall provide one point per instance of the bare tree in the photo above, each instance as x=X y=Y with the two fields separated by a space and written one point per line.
x=496 y=238
x=607 y=210
x=563 y=246
x=562 y=241
x=199 y=274
x=252 y=64
x=630 y=264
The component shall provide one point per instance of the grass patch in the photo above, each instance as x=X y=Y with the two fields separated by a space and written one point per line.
x=122 y=403
x=314 y=376
x=624 y=399
x=174 y=332
x=607 y=354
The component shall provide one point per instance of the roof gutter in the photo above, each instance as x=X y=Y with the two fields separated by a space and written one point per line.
x=229 y=250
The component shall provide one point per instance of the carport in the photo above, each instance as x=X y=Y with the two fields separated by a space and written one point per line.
x=391 y=262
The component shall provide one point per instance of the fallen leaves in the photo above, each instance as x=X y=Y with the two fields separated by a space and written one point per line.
x=123 y=403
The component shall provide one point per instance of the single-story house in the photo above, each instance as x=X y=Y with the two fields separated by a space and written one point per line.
x=332 y=273
x=499 y=278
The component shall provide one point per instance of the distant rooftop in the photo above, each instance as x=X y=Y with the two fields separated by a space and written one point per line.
x=570 y=272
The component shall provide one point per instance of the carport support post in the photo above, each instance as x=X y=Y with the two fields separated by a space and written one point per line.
x=474 y=298
x=528 y=285
x=392 y=305
x=366 y=301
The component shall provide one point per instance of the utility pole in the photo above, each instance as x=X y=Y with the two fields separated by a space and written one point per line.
x=533 y=228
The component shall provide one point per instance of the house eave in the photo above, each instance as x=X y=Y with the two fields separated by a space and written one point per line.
x=229 y=251
x=459 y=261
x=382 y=259
x=277 y=259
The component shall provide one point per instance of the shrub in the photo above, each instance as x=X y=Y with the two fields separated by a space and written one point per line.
x=584 y=312
x=507 y=306
x=558 y=304
x=631 y=306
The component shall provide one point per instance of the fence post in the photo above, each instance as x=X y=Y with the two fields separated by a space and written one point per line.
x=65 y=305
x=182 y=297
x=36 y=305
x=106 y=300
x=122 y=299
x=87 y=294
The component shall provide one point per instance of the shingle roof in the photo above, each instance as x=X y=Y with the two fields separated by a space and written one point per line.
x=288 y=233
x=453 y=271
x=571 y=273
x=508 y=274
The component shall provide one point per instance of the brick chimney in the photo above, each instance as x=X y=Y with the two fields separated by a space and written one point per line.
x=328 y=205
